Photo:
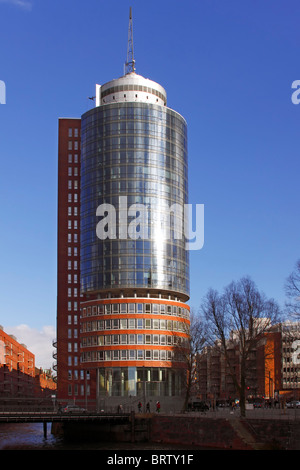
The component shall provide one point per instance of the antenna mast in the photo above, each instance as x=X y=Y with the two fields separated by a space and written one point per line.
x=130 y=63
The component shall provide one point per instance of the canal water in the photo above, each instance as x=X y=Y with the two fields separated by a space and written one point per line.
x=30 y=436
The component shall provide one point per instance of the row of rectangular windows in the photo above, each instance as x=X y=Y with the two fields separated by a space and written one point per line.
x=108 y=340
x=73 y=159
x=73 y=132
x=73 y=237
x=72 y=211
x=74 y=293
x=71 y=172
x=116 y=308
x=74 y=390
x=127 y=355
x=73 y=197
x=71 y=185
x=75 y=146
x=72 y=265
x=132 y=324
x=75 y=224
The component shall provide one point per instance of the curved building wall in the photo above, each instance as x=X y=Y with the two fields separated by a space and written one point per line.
x=137 y=151
x=135 y=344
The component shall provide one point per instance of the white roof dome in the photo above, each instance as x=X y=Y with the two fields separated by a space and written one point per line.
x=131 y=87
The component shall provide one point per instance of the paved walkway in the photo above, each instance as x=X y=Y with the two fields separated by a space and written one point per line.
x=258 y=413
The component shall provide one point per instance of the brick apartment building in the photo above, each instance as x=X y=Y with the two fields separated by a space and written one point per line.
x=272 y=370
x=19 y=378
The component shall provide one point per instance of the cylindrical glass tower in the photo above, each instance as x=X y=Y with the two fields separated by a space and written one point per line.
x=134 y=265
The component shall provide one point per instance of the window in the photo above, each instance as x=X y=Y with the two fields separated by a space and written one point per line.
x=115 y=355
x=155 y=339
x=148 y=355
x=123 y=308
x=139 y=308
x=131 y=355
x=131 y=339
x=123 y=339
x=115 y=339
x=123 y=355
x=115 y=308
x=131 y=323
x=140 y=339
x=140 y=354
x=155 y=355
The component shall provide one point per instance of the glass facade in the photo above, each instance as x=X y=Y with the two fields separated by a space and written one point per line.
x=139 y=151
x=139 y=381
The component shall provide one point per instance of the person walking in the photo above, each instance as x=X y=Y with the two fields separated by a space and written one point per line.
x=157 y=407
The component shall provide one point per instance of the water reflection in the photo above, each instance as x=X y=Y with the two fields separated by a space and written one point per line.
x=30 y=436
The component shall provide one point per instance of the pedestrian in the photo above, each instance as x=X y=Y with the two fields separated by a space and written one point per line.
x=148 y=407
x=120 y=408
x=139 y=407
x=157 y=406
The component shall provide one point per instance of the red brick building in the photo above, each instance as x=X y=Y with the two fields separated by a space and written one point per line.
x=17 y=368
x=70 y=381
x=45 y=385
x=272 y=370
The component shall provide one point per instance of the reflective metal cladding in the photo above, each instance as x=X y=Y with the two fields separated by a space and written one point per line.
x=134 y=153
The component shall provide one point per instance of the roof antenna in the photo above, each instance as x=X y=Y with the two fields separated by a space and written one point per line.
x=130 y=63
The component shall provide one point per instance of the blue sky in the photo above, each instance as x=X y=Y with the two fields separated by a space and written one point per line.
x=227 y=67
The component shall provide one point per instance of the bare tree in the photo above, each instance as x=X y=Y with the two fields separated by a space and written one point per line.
x=238 y=317
x=292 y=290
x=187 y=350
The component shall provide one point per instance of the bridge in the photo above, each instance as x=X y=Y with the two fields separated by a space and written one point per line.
x=53 y=416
